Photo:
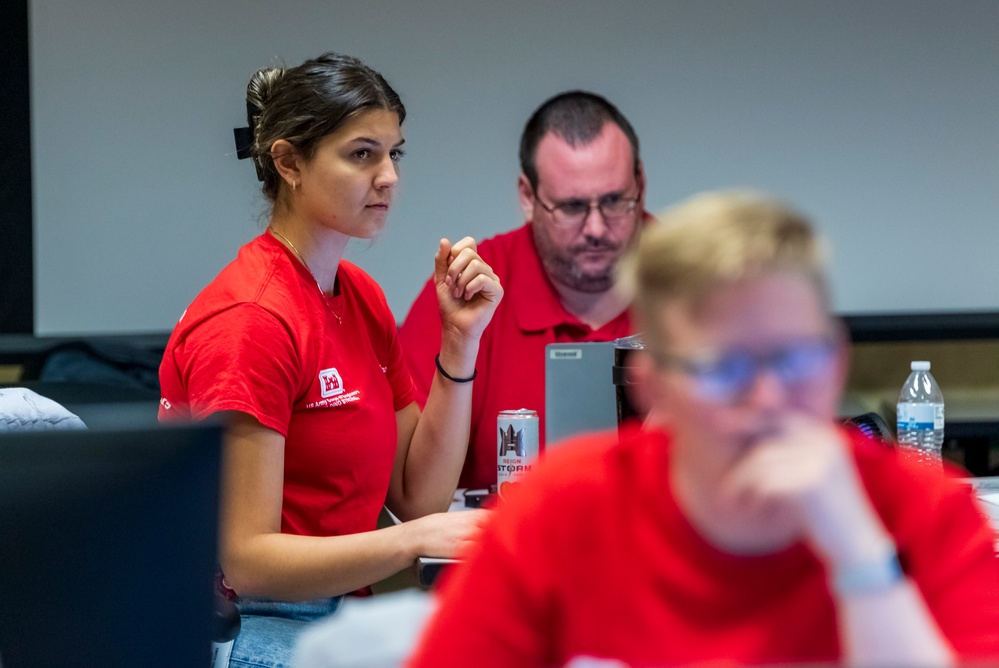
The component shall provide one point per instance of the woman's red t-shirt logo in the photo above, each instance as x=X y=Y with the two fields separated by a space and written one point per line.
x=330 y=383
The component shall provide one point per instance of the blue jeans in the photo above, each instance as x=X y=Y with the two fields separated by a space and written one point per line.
x=269 y=629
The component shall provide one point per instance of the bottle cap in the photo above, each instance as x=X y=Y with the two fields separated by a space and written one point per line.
x=920 y=366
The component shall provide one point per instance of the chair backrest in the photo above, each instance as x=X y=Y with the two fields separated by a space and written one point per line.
x=874 y=426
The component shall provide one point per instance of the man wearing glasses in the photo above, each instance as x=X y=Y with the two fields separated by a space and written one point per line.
x=747 y=528
x=582 y=191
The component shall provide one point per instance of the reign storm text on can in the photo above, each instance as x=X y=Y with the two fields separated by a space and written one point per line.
x=517 y=446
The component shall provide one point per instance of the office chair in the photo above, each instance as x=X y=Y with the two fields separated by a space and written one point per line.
x=226 y=627
x=874 y=427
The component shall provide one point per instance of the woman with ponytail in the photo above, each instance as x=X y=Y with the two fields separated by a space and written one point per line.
x=296 y=349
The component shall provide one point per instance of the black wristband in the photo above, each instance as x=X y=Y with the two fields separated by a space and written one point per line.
x=437 y=360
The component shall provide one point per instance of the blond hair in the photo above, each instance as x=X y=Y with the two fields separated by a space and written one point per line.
x=716 y=238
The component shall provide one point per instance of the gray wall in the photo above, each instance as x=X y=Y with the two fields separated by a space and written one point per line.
x=877 y=118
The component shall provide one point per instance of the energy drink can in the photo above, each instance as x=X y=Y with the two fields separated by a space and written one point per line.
x=517 y=446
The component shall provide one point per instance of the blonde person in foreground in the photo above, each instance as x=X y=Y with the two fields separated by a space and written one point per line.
x=748 y=528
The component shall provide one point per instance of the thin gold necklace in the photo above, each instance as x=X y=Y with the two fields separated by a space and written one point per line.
x=306 y=264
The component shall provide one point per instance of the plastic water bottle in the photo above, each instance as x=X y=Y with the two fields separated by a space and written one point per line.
x=920 y=413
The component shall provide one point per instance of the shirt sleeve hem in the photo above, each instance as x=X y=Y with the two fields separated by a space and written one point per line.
x=242 y=407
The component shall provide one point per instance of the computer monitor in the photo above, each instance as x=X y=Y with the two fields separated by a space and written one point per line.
x=108 y=546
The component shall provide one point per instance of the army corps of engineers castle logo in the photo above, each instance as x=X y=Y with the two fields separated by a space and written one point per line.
x=332 y=391
x=330 y=383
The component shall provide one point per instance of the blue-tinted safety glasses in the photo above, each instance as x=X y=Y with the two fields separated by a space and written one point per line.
x=729 y=375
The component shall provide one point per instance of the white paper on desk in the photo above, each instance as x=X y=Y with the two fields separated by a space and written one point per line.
x=457 y=503
x=990 y=502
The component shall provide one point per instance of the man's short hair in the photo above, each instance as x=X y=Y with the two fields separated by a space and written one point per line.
x=717 y=238
x=576 y=117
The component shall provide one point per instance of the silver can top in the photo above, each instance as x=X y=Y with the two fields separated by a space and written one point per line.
x=519 y=412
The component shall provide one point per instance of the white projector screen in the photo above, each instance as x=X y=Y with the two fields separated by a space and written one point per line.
x=878 y=119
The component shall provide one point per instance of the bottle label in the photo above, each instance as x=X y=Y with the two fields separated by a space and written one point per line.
x=920 y=416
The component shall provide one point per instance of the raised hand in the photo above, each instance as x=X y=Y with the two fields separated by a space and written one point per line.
x=467 y=289
x=806 y=470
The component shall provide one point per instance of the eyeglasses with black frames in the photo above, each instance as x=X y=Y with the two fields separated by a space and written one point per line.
x=615 y=209
x=728 y=376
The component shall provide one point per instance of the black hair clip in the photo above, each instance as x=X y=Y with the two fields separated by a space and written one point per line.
x=244 y=144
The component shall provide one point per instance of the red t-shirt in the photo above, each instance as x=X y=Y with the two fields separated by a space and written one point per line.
x=511 y=361
x=592 y=557
x=260 y=340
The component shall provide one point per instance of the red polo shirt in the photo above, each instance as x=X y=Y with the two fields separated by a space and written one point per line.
x=511 y=361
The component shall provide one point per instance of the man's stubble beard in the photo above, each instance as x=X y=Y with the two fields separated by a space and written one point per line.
x=562 y=267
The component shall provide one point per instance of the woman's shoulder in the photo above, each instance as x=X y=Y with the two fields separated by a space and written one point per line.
x=253 y=260
x=250 y=279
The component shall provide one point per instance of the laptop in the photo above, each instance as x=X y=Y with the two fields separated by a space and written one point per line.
x=108 y=546
x=580 y=395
